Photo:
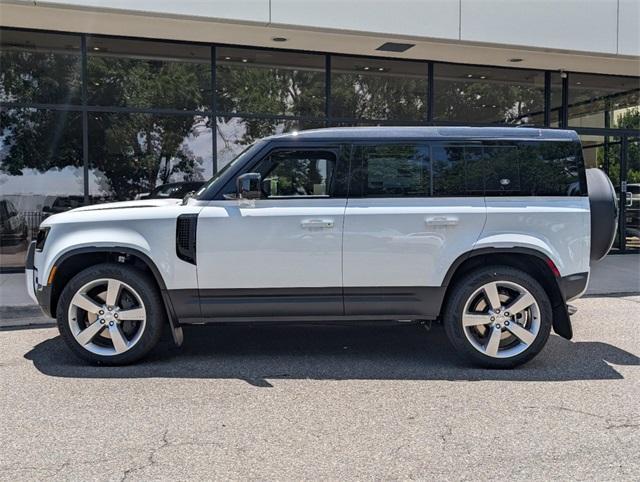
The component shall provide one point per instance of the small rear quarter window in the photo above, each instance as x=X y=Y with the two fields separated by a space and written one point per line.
x=551 y=168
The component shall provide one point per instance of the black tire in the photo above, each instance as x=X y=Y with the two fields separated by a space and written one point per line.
x=145 y=287
x=464 y=289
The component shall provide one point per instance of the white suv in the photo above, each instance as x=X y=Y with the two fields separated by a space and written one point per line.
x=487 y=230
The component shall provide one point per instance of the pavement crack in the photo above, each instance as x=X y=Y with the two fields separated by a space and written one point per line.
x=622 y=425
x=151 y=459
x=566 y=409
x=164 y=442
x=611 y=424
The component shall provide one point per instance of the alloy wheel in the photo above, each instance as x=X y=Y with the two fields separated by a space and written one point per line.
x=107 y=317
x=501 y=319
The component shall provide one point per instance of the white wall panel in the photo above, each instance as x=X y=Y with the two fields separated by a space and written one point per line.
x=629 y=28
x=423 y=18
x=241 y=10
x=584 y=25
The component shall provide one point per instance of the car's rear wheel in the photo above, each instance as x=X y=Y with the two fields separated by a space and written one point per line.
x=498 y=317
x=111 y=314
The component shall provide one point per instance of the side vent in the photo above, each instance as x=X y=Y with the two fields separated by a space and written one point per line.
x=186 y=237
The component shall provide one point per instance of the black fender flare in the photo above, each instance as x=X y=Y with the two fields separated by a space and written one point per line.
x=561 y=319
x=173 y=320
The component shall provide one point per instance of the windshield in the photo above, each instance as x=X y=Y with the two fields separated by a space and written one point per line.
x=211 y=184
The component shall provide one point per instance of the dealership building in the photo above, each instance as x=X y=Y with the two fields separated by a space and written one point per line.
x=106 y=100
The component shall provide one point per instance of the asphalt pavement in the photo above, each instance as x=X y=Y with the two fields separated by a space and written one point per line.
x=326 y=402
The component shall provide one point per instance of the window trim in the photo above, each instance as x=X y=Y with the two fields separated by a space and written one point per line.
x=280 y=147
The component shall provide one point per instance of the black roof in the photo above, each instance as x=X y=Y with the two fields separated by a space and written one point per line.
x=423 y=132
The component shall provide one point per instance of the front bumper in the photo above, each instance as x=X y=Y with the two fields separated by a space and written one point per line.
x=38 y=293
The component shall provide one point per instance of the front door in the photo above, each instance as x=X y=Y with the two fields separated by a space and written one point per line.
x=279 y=255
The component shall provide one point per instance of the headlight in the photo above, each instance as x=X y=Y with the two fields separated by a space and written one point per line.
x=41 y=238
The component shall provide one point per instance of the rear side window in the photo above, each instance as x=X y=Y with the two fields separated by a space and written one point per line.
x=393 y=170
x=552 y=168
x=508 y=168
x=458 y=170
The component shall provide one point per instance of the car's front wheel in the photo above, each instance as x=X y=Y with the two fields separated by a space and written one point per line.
x=498 y=317
x=111 y=314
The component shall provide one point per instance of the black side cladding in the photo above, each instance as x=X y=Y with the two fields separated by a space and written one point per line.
x=186 y=228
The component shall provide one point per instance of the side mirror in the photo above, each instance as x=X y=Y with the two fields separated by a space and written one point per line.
x=266 y=186
x=248 y=186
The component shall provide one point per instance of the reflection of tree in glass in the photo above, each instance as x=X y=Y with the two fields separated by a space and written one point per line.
x=477 y=102
x=361 y=96
x=293 y=175
x=630 y=119
x=297 y=92
x=44 y=77
x=136 y=152
x=131 y=152
x=549 y=168
x=261 y=90
x=39 y=139
x=276 y=91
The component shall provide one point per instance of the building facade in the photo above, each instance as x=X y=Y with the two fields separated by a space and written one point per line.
x=105 y=100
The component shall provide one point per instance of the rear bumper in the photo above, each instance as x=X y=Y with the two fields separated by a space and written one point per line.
x=574 y=285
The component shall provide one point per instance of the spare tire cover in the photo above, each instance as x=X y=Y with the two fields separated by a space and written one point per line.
x=604 y=213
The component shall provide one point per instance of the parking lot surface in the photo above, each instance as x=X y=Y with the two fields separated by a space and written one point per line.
x=326 y=402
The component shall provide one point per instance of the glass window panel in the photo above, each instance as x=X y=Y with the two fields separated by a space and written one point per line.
x=551 y=168
x=632 y=197
x=503 y=170
x=471 y=94
x=396 y=170
x=41 y=172
x=270 y=82
x=556 y=100
x=146 y=74
x=603 y=101
x=458 y=170
x=297 y=173
x=234 y=134
x=132 y=154
x=363 y=88
x=39 y=67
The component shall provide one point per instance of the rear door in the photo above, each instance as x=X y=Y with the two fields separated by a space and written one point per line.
x=413 y=208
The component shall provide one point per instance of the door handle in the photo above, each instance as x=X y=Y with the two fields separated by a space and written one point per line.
x=441 y=221
x=317 y=223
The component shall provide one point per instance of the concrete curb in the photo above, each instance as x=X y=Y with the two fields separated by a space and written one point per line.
x=23 y=316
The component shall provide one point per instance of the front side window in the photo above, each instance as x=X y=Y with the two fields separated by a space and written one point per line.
x=297 y=174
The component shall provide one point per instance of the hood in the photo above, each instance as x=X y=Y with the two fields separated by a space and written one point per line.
x=142 y=203
x=127 y=210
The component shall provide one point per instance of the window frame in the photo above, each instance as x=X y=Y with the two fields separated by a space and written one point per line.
x=329 y=187
x=338 y=189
